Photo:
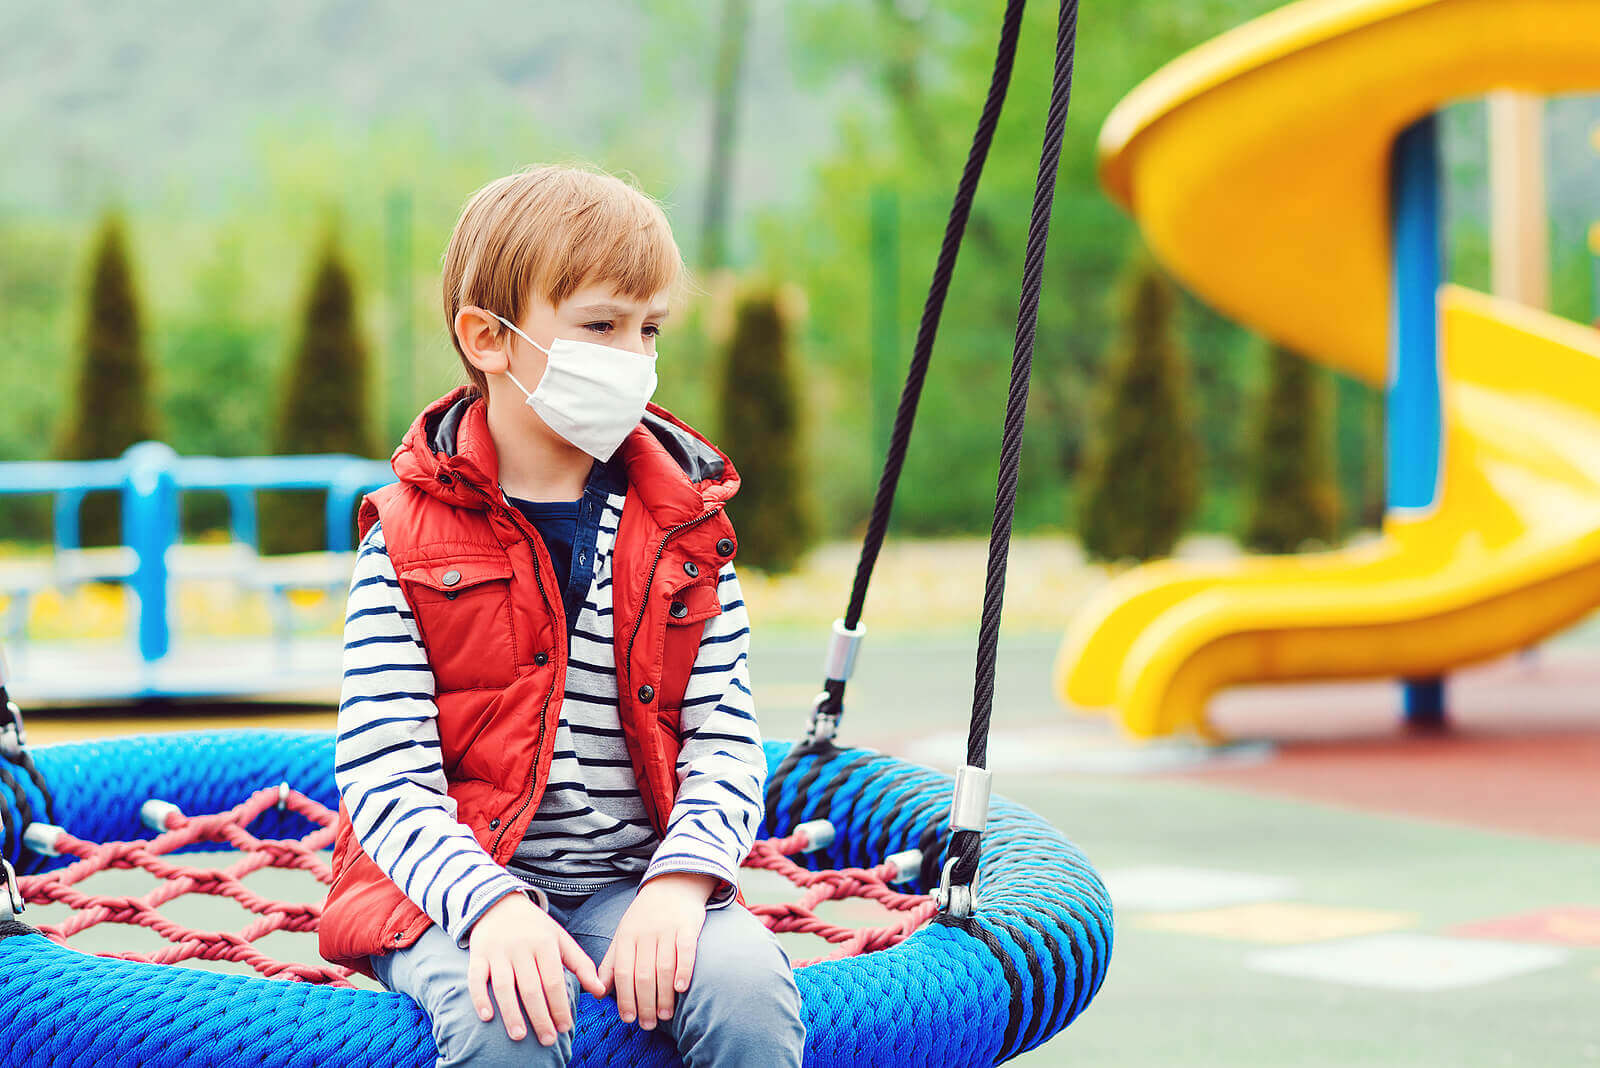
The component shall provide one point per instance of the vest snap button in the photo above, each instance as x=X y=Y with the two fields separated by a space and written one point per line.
x=678 y=609
x=690 y=569
x=725 y=546
x=647 y=693
x=451 y=577
x=494 y=823
x=444 y=480
x=541 y=658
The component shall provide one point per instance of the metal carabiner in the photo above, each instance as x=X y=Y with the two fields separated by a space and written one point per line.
x=957 y=901
x=11 y=903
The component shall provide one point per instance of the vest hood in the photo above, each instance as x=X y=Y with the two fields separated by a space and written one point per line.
x=676 y=472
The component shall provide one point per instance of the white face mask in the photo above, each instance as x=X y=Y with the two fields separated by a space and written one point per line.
x=591 y=394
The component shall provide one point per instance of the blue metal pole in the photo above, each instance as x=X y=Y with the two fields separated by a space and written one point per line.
x=1415 y=445
x=150 y=526
x=242 y=515
x=68 y=507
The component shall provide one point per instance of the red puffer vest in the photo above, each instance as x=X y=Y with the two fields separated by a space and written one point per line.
x=482 y=586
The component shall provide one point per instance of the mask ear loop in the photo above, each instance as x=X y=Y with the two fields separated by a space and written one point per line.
x=530 y=341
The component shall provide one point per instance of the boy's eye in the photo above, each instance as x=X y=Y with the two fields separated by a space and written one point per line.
x=652 y=331
x=598 y=328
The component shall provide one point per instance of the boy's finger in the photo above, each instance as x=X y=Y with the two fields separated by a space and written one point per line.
x=605 y=970
x=529 y=990
x=578 y=962
x=686 y=947
x=504 y=981
x=666 y=967
x=478 y=985
x=554 y=977
x=644 y=980
x=531 y=982
x=622 y=977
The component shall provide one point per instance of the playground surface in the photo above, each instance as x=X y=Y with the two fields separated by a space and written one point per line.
x=1344 y=894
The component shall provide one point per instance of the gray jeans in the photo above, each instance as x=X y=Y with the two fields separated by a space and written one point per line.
x=741 y=1008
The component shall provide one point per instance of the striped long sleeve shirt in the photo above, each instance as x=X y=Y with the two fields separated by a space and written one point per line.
x=590 y=828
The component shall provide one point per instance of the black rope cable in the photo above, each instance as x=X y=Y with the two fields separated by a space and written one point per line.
x=965 y=844
x=932 y=311
x=831 y=701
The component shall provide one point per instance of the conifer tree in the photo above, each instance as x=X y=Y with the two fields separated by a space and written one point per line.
x=1141 y=481
x=760 y=432
x=324 y=404
x=112 y=406
x=1294 y=498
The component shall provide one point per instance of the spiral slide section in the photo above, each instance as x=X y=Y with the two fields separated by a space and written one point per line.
x=1259 y=168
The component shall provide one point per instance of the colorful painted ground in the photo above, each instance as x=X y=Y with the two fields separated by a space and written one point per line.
x=1333 y=893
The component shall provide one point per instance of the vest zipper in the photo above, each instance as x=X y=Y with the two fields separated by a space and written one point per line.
x=538 y=578
x=644 y=599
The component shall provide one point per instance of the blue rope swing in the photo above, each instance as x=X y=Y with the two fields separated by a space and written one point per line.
x=977 y=986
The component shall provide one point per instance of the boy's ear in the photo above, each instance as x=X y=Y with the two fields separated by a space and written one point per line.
x=482 y=339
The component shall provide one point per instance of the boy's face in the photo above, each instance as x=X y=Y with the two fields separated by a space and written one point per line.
x=595 y=312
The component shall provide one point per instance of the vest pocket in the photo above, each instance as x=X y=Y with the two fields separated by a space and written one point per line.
x=463 y=609
x=699 y=602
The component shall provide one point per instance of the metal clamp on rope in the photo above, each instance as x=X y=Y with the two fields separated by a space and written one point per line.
x=43 y=838
x=969 y=809
x=903 y=867
x=10 y=894
x=955 y=900
x=818 y=835
x=840 y=658
x=155 y=812
x=283 y=796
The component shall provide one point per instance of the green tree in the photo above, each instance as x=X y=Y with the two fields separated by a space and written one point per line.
x=324 y=405
x=1294 y=498
x=760 y=432
x=1141 y=484
x=111 y=407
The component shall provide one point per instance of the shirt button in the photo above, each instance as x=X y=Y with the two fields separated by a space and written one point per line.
x=541 y=658
x=583 y=556
x=725 y=546
x=451 y=577
x=678 y=609
x=690 y=569
x=647 y=693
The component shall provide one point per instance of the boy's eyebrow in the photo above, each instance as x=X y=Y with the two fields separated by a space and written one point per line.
x=613 y=311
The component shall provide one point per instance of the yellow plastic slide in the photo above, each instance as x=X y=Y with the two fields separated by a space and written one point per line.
x=1257 y=168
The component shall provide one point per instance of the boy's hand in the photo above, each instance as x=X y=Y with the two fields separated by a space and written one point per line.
x=651 y=958
x=516 y=947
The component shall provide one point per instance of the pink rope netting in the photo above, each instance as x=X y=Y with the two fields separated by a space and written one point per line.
x=907 y=911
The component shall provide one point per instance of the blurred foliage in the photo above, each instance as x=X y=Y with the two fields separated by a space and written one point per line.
x=354 y=105
x=325 y=402
x=760 y=431
x=1294 y=499
x=1140 y=479
x=111 y=403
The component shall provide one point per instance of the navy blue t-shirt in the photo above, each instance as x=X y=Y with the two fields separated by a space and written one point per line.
x=557 y=524
x=569 y=530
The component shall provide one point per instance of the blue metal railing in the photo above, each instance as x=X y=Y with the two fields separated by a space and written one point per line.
x=152 y=477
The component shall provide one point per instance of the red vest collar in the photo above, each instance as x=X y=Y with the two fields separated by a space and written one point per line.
x=449 y=454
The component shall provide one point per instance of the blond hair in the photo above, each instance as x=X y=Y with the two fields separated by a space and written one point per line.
x=548 y=231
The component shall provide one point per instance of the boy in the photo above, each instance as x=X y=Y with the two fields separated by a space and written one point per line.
x=546 y=752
